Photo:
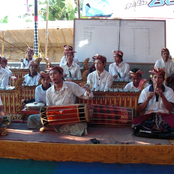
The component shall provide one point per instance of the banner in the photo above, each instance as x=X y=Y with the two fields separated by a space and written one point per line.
x=129 y=8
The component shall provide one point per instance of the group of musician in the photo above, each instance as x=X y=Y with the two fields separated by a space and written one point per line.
x=156 y=99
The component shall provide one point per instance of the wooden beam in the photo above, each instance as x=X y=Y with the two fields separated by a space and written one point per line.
x=63 y=36
x=11 y=44
x=71 y=32
x=3 y=44
x=57 y=40
x=13 y=38
x=17 y=38
x=50 y=42
x=23 y=38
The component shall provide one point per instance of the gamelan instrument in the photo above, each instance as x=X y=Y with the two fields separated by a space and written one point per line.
x=94 y=114
x=59 y=115
x=141 y=84
x=110 y=115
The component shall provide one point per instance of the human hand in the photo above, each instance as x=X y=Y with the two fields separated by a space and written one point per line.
x=151 y=95
x=86 y=87
x=115 y=76
x=159 y=92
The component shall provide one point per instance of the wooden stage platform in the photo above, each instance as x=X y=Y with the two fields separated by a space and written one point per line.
x=117 y=145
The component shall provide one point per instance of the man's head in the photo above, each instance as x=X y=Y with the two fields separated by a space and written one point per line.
x=67 y=48
x=69 y=56
x=118 y=56
x=136 y=74
x=33 y=68
x=45 y=79
x=165 y=54
x=158 y=76
x=100 y=62
x=30 y=53
x=56 y=74
x=4 y=62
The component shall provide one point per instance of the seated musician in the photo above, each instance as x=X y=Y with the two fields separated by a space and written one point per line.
x=136 y=75
x=5 y=66
x=26 y=62
x=70 y=69
x=67 y=48
x=119 y=69
x=3 y=76
x=3 y=130
x=63 y=93
x=100 y=79
x=32 y=78
x=167 y=63
x=157 y=99
x=40 y=91
x=92 y=67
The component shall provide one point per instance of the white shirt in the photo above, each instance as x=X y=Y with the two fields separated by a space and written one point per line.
x=102 y=82
x=3 y=77
x=0 y=102
x=26 y=63
x=123 y=69
x=169 y=65
x=31 y=80
x=67 y=95
x=131 y=86
x=63 y=60
x=40 y=94
x=153 y=106
x=73 y=71
x=8 y=71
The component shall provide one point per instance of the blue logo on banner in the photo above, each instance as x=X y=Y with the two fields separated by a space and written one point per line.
x=157 y=3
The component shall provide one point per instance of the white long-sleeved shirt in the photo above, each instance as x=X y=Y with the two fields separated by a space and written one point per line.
x=169 y=65
x=74 y=70
x=131 y=86
x=4 y=77
x=40 y=94
x=63 y=60
x=26 y=63
x=67 y=95
x=123 y=69
x=102 y=82
x=29 y=80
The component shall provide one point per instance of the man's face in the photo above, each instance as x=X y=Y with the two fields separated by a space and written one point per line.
x=3 y=64
x=33 y=69
x=99 y=65
x=29 y=55
x=69 y=57
x=157 y=80
x=117 y=59
x=165 y=56
x=55 y=76
x=136 y=80
x=66 y=49
x=45 y=81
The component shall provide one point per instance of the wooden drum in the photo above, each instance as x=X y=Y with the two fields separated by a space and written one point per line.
x=110 y=115
x=59 y=115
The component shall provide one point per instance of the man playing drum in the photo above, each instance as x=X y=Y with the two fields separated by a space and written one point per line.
x=136 y=83
x=64 y=93
x=157 y=99
x=119 y=69
x=100 y=79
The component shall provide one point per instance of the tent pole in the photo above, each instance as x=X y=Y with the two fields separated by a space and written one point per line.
x=36 y=28
x=46 y=33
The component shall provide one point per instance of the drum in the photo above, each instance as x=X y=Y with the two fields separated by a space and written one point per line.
x=110 y=115
x=59 y=115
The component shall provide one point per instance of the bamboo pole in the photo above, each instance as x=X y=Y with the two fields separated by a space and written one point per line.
x=78 y=3
x=2 y=43
x=46 y=32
